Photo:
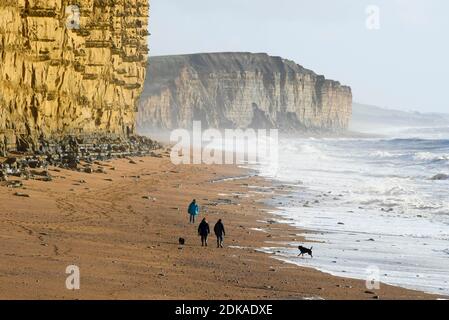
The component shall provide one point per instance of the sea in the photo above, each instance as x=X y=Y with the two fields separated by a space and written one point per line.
x=373 y=208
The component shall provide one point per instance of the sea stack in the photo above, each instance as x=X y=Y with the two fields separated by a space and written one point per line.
x=70 y=70
x=241 y=90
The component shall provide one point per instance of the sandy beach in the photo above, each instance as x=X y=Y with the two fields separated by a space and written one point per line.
x=121 y=228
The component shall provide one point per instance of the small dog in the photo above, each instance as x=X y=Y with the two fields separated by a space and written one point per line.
x=304 y=251
x=182 y=241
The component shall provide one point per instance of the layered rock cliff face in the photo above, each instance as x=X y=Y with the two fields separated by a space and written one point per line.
x=58 y=80
x=240 y=90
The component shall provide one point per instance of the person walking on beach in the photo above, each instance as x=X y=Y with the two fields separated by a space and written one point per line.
x=220 y=233
x=203 y=231
x=193 y=211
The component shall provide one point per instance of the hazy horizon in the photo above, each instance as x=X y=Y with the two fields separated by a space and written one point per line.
x=401 y=66
x=392 y=108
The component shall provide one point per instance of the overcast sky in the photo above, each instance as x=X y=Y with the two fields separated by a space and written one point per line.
x=404 y=64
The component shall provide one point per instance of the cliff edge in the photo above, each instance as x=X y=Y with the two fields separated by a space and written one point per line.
x=240 y=90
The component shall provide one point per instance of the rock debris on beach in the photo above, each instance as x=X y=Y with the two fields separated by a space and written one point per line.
x=23 y=195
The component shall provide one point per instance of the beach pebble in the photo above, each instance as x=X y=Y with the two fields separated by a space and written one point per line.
x=24 y=195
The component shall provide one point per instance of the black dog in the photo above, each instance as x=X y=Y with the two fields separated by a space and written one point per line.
x=304 y=251
x=182 y=241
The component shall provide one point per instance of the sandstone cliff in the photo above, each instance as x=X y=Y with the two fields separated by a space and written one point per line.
x=58 y=80
x=227 y=90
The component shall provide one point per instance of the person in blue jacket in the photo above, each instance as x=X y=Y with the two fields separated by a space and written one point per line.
x=193 y=211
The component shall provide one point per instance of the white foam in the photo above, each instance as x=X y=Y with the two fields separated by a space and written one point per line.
x=356 y=191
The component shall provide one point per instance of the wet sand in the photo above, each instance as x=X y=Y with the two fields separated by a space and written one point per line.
x=121 y=228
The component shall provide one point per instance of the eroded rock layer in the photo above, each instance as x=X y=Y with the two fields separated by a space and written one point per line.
x=57 y=79
x=227 y=90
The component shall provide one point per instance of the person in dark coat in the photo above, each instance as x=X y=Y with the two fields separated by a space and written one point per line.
x=220 y=233
x=203 y=231
x=193 y=211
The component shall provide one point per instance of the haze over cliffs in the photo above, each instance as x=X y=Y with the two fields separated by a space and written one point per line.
x=240 y=90
x=57 y=81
